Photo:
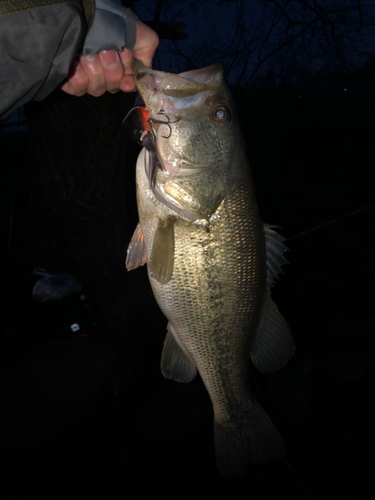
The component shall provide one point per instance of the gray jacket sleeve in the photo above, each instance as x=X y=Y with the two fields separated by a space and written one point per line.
x=113 y=28
x=40 y=38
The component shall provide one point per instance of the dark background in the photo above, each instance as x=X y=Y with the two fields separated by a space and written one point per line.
x=90 y=413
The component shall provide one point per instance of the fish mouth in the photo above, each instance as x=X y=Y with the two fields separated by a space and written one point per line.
x=181 y=85
x=167 y=97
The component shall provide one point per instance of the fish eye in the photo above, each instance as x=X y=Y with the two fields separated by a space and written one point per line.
x=221 y=114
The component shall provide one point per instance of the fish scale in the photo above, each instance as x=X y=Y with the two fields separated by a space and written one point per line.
x=210 y=260
x=222 y=302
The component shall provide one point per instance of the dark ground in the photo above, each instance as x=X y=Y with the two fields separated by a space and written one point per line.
x=91 y=413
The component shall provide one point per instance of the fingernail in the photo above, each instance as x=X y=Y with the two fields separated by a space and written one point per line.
x=109 y=58
x=90 y=58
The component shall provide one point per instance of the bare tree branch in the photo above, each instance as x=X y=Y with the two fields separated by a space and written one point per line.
x=245 y=35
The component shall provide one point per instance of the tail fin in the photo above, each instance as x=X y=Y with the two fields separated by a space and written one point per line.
x=237 y=444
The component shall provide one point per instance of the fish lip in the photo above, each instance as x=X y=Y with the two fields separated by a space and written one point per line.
x=151 y=82
x=140 y=69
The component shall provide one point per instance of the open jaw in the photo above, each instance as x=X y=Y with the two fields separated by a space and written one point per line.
x=168 y=93
x=170 y=99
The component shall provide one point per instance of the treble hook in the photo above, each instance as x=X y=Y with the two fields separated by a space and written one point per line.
x=162 y=122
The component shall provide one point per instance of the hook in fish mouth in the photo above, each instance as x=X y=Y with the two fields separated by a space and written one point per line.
x=162 y=122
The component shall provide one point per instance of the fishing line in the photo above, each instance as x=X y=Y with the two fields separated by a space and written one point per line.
x=299 y=480
x=328 y=223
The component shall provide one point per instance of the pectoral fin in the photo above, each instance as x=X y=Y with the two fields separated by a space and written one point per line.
x=136 y=253
x=175 y=364
x=273 y=345
x=162 y=254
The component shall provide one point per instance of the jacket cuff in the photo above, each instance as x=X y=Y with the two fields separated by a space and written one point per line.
x=113 y=28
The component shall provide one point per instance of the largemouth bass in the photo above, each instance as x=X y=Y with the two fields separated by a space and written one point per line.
x=210 y=259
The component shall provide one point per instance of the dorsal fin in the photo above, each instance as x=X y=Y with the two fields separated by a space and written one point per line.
x=273 y=345
x=275 y=249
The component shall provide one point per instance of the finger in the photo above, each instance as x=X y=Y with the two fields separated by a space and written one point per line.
x=95 y=72
x=147 y=42
x=113 y=69
x=77 y=81
x=126 y=57
x=127 y=83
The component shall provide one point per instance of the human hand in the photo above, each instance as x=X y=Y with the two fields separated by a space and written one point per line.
x=109 y=70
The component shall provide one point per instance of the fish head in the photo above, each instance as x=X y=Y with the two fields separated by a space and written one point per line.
x=196 y=134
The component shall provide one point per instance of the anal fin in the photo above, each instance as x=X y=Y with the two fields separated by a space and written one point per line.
x=273 y=345
x=175 y=364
